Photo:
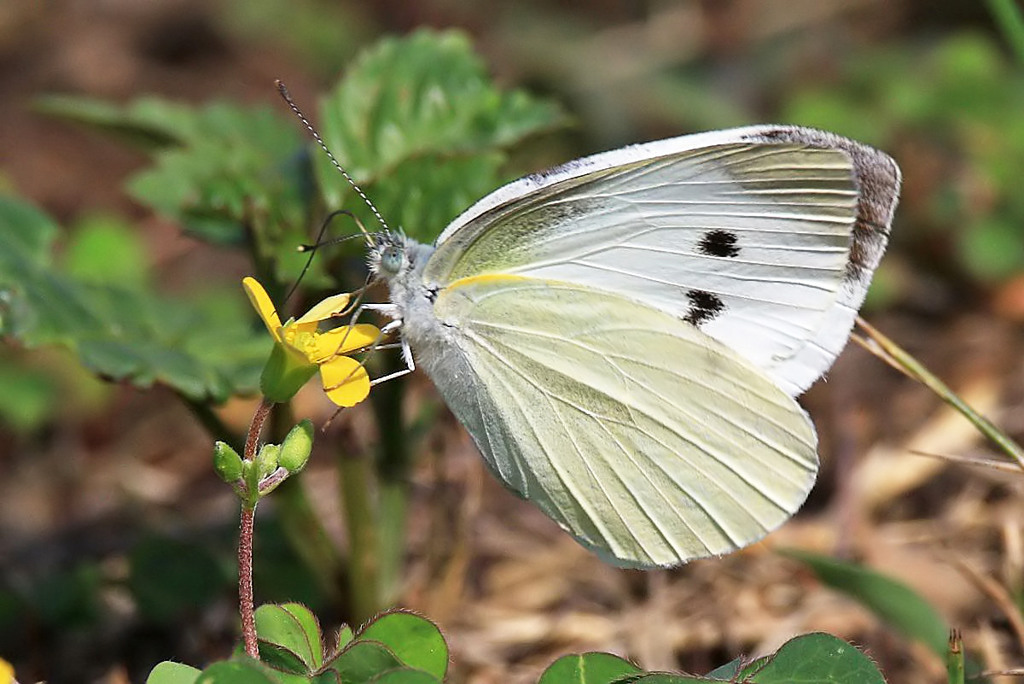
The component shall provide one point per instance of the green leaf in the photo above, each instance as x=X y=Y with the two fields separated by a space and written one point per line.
x=225 y=172
x=292 y=628
x=587 y=668
x=362 y=660
x=894 y=602
x=236 y=167
x=206 y=348
x=415 y=640
x=344 y=637
x=668 y=678
x=405 y=675
x=729 y=671
x=327 y=677
x=236 y=672
x=168 y=672
x=417 y=122
x=105 y=250
x=816 y=659
x=149 y=123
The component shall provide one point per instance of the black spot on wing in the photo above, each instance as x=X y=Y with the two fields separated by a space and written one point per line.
x=719 y=243
x=704 y=306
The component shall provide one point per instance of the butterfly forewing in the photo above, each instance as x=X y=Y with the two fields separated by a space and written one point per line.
x=749 y=235
x=649 y=441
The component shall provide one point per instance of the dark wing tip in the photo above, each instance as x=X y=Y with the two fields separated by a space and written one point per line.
x=877 y=177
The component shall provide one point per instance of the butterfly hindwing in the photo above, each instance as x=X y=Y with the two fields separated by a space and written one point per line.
x=646 y=439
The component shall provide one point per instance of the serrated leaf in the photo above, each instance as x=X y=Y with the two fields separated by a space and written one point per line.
x=234 y=672
x=168 y=672
x=201 y=348
x=892 y=601
x=236 y=167
x=417 y=122
x=28 y=233
x=416 y=641
x=588 y=668
x=816 y=659
x=362 y=660
x=293 y=628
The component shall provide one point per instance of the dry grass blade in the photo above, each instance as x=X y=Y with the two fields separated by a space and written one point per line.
x=998 y=593
x=888 y=351
x=1004 y=466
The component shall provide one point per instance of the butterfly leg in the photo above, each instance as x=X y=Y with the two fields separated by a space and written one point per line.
x=410 y=365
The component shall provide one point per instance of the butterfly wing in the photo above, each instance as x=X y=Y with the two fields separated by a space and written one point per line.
x=649 y=441
x=765 y=237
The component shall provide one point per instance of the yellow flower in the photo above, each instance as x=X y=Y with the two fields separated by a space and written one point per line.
x=301 y=349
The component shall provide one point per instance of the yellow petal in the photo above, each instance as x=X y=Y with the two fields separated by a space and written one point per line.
x=6 y=672
x=332 y=306
x=345 y=381
x=264 y=307
x=343 y=340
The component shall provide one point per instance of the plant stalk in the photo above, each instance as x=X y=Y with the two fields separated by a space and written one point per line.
x=246 y=602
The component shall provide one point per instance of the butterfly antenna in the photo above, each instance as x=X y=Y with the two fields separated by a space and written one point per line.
x=320 y=141
x=320 y=242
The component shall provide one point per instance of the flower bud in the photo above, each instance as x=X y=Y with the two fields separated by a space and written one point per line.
x=296 y=447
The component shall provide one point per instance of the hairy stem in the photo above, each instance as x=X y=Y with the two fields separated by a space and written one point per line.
x=246 y=604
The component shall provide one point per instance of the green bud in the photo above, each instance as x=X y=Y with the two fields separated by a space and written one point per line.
x=226 y=462
x=266 y=460
x=296 y=447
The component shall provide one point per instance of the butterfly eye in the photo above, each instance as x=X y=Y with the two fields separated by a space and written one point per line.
x=391 y=260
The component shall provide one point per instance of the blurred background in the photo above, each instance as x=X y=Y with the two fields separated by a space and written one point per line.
x=116 y=538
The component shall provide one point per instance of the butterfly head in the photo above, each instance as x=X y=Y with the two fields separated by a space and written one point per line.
x=387 y=256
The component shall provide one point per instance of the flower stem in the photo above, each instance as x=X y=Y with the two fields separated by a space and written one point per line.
x=246 y=604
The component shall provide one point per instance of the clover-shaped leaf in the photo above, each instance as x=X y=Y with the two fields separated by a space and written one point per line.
x=588 y=668
x=289 y=637
x=416 y=641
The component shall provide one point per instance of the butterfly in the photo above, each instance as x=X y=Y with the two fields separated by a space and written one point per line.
x=623 y=336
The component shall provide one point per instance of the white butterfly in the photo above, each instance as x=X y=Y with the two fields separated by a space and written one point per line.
x=623 y=335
